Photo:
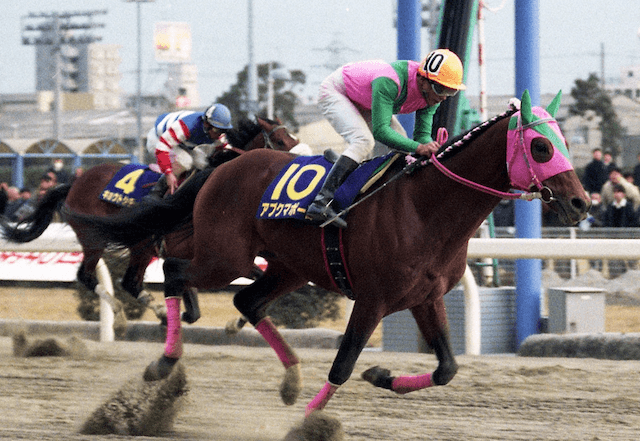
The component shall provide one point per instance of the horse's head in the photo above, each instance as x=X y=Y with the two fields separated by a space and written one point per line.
x=277 y=136
x=537 y=156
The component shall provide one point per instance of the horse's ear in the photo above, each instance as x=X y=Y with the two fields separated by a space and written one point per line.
x=279 y=121
x=553 y=107
x=525 y=108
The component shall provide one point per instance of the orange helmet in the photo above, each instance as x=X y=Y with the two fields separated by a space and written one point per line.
x=444 y=67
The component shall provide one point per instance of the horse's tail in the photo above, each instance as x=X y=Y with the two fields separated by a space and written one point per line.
x=34 y=224
x=150 y=218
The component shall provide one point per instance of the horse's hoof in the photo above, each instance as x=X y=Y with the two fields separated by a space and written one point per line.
x=379 y=377
x=234 y=326
x=159 y=369
x=291 y=385
x=145 y=298
x=187 y=317
x=161 y=313
x=120 y=324
x=444 y=374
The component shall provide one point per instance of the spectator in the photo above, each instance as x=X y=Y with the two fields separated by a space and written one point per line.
x=596 y=212
x=62 y=177
x=629 y=177
x=595 y=174
x=14 y=202
x=25 y=193
x=608 y=161
x=77 y=173
x=615 y=178
x=620 y=212
x=636 y=172
x=4 y=199
x=47 y=181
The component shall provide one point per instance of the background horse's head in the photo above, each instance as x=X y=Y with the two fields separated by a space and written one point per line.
x=275 y=135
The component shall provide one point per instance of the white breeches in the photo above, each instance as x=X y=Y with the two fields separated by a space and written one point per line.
x=350 y=121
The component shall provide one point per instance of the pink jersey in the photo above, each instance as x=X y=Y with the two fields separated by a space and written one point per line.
x=358 y=77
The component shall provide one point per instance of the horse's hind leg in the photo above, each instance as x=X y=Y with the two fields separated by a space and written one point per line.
x=432 y=322
x=252 y=302
x=87 y=276
x=133 y=280
x=87 y=271
x=175 y=289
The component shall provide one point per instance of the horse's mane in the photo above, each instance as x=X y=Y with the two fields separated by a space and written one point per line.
x=246 y=130
x=457 y=143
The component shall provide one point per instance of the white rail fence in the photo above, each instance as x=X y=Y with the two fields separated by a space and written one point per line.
x=60 y=238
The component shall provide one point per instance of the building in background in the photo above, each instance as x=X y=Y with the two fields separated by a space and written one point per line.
x=90 y=73
x=172 y=42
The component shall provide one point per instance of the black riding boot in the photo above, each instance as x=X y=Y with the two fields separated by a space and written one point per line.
x=320 y=209
x=158 y=191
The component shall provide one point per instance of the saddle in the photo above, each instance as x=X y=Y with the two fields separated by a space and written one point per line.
x=293 y=190
x=129 y=185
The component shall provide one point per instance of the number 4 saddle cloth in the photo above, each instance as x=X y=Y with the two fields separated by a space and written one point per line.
x=293 y=190
x=130 y=184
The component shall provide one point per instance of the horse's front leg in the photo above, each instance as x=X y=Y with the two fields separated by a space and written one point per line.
x=361 y=325
x=432 y=322
x=252 y=302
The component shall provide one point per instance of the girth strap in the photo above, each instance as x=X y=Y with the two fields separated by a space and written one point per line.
x=333 y=254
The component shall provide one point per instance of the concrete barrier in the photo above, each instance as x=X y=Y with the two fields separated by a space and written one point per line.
x=608 y=345
x=318 y=338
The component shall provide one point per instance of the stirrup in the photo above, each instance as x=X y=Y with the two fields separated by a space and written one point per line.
x=326 y=214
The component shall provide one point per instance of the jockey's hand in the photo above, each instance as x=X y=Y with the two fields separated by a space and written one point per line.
x=172 y=182
x=428 y=149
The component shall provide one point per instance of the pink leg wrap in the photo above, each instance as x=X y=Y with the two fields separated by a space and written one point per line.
x=403 y=385
x=173 y=344
x=321 y=399
x=270 y=333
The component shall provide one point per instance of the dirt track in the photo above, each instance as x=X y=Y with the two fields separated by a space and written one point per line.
x=234 y=396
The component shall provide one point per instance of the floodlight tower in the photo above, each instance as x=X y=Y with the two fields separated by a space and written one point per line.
x=57 y=29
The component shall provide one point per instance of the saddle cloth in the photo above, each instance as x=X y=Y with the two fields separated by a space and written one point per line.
x=293 y=190
x=130 y=184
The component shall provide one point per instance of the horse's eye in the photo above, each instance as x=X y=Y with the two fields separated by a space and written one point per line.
x=541 y=150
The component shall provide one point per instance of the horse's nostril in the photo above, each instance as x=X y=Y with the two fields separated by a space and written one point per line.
x=580 y=205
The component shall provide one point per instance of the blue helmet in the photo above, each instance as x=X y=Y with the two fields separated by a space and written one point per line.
x=218 y=116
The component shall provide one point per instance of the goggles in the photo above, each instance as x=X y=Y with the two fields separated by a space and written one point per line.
x=441 y=90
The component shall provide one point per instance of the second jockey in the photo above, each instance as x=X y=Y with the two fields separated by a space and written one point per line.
x=183 y=140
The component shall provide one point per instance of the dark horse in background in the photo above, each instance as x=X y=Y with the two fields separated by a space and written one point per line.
x=405 y=247
x=82 y=196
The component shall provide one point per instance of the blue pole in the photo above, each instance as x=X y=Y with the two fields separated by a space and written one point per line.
x=409 y=26
x=527 y=214
x=18 y=172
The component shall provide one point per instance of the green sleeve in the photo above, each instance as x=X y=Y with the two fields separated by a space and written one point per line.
x=384 y=92
x=424 y=124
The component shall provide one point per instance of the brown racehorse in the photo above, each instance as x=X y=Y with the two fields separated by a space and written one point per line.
x=405 y=247
x=83 y=197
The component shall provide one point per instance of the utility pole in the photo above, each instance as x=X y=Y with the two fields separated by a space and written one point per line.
x=602 y=65
x=56 y=29
x=252 y=72
x=141 y=151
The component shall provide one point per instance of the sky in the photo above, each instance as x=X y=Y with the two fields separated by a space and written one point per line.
x=298 y=33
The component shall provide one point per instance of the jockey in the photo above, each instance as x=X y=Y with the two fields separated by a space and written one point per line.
x=190 y=132
x=361 y=99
